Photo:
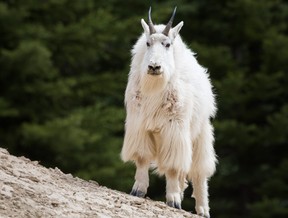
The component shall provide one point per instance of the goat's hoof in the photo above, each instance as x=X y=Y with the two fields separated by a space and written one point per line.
x=174 y=204
x=137 y=193
x=206 y=216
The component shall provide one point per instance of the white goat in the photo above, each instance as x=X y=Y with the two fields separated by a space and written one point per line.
x=169 y=102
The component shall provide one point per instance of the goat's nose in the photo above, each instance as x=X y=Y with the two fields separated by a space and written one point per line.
x=154 y=67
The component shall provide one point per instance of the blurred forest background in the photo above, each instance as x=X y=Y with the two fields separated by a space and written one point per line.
x=63 y=72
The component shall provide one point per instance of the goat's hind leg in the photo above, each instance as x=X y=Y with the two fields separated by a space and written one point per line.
x=141 y=178
x=200 y=193
x=203 y=167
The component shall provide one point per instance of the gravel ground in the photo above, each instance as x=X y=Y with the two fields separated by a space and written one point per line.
x=28 y=189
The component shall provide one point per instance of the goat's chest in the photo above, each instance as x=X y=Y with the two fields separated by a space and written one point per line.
x=157 y=110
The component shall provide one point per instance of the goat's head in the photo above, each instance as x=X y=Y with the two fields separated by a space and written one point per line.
x=158 y=60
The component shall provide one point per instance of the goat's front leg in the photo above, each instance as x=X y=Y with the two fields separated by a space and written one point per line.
x=141 y=178
x=173 y=190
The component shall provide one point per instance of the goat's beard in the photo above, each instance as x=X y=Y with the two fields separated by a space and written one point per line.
x=151 y=84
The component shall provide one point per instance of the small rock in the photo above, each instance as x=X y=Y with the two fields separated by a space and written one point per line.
x=16 y=173
x=24 y=158
x=137 y=202
x=7 y=191
x=4 y=157
x=17 y=204
x=69 y=176
x=3 y=207
x=33 y=178
x=57 y=169
x=4 y=151
x=35 y=162
x=55 y=204
x=94 y=182
x=101 y=215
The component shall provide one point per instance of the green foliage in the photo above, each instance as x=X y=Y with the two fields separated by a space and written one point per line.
x=63 y=71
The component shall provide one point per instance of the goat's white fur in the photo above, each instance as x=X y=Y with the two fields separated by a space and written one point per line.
x=168 y=116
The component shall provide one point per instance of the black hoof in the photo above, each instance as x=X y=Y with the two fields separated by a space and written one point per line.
x=137 y=193
x=201 y=214
x=170 y=204
x=174 y=204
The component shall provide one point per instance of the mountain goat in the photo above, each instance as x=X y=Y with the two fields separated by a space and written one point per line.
x=169 y=102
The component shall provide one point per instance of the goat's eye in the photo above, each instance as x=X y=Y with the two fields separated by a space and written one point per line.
x=148 y=44
x=166 y=45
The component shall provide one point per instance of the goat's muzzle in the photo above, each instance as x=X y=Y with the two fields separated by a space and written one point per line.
x=154 y=70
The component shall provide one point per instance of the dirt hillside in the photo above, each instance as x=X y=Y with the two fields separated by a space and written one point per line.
x=28 y=189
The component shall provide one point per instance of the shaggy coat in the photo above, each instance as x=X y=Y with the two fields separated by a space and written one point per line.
x=168 y=117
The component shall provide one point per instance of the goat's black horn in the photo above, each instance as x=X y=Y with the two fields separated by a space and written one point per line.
x=169 y=24
x=150 y=23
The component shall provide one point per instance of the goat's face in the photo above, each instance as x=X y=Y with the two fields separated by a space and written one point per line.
x=159 y=54
x=158 y=63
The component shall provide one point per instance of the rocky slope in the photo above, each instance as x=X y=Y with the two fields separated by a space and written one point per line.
x=28 y=189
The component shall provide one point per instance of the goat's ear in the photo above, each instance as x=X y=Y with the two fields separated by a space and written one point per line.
x=145 y=27
x=175 y=31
